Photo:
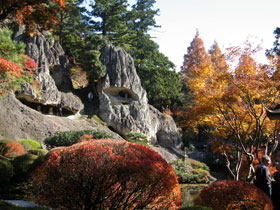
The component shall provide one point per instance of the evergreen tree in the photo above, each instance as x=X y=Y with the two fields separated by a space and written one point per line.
x=144 y=16
x=276 y=49
x=108 y=18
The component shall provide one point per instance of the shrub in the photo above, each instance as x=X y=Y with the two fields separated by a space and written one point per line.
x=197 y=175
x=197 y=164
x=3 y=143
x=38 y=152
x=24 y=164
x=137 y=138
x=230 y=194
x=29 y=144
x=6 y=170
x=68 y=138
x=106 y=174
x=11 y=149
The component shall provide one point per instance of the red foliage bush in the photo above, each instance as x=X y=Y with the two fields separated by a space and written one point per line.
x=12 y=149
x=9 y=66
x=29 y=64
x=106 y=174
x=233 y=195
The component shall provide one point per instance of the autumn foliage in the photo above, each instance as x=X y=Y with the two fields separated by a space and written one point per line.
x=10 y=71
x=106 y=174
x=231 y=101
x=233 y=195
x=11 y=149
x=33 y=14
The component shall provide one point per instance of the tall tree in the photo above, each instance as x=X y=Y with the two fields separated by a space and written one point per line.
x=108 y=18
x=232 y=103
x=143 y=16
x=197 y=60
x=276 y=49
x=218 y=58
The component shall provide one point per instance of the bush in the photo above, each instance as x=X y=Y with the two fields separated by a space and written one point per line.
x=68 y=138
x=106 y=174
x=230 y=194
x=197 y=175
x=137 y=138
x=29 y=144
x=38 y=152
x=197 y=164
x=6 y=170
x=3 y=143
x=24 y=164
x=10 y=148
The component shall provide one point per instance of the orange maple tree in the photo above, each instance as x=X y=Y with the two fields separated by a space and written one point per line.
x=106 y=174
x=34 y=14
x=231 y=102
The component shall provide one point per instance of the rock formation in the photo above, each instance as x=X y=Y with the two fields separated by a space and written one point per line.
x=52 y=75
x=123 y=102
x=18 y=121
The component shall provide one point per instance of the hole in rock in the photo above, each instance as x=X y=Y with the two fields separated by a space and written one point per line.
x=120 y=95
x=46 y=109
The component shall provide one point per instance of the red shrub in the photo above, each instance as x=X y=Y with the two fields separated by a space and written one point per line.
x=9 y=66
x=29 y=64
x=12 y=149
x=106 y=174
x=237 y=195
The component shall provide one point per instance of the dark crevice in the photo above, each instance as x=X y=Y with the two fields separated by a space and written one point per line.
x=46 y=109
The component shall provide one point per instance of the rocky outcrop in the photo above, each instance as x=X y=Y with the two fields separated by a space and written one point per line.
x=124 y=105
x=123 y=102
x=18 y=121
x=52 y=76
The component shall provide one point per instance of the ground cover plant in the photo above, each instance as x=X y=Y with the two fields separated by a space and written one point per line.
x=106 y=174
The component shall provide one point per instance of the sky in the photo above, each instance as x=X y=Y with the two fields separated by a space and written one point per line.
x=228 y=22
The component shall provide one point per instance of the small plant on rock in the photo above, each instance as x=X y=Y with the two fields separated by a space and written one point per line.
x=137 y=138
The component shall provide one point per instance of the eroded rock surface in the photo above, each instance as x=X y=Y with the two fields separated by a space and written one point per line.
x=52 y=75
x=124 y=105
x=18 y=121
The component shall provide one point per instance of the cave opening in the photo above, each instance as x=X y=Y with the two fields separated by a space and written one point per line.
x=121 y=95
x=46 y=109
